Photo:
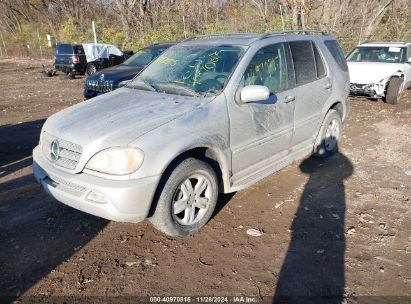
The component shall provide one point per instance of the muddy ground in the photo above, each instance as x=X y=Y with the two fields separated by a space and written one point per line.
x=335 y=227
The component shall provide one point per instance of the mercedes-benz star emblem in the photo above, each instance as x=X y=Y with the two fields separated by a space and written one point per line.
x=54 y=150
x=102 y=77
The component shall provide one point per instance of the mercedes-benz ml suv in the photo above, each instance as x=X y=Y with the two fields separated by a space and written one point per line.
x=211 y=114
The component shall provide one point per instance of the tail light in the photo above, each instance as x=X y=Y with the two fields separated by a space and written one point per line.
x=76 y=59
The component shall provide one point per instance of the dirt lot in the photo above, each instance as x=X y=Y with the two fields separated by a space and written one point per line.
x=335 y=227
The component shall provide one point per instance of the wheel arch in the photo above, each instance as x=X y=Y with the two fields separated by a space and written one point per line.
x=399 y=74
x=339 y=107
x=212 y=156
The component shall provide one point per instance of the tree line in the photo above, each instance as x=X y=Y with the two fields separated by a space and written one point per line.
x=132 y=24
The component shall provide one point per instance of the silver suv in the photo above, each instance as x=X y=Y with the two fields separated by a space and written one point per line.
x=213 y=114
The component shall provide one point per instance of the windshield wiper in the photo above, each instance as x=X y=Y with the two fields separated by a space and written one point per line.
x=134 y=83
x=179 y=87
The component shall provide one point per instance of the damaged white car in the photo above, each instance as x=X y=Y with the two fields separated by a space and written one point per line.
x=380 y=70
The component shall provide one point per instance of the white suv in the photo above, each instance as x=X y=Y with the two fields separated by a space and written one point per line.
x=380 y=70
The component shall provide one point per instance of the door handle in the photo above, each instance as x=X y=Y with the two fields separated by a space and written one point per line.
x=289 y=98
x=328 y=86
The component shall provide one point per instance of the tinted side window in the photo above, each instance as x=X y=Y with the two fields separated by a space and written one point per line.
x=304 y=61
x=63 y=49
x=319 y=63
x=268 y=68
x=336 y=51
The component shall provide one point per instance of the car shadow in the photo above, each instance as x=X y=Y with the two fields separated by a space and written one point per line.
x=17 y=142
x=37 y=234
x=223 y=200
x=313 y=269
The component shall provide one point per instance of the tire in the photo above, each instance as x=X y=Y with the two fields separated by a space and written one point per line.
x=195 y=208
x=43 y=74
x=91 y=69
x=329 y=135
x=71 y=75
x=393 y=94
x=64 y=77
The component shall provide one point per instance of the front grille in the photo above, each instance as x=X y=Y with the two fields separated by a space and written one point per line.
x=70 y=153
x=101 y=86
x=356 y=86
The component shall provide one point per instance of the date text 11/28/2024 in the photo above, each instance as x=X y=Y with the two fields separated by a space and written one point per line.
x=204 y=299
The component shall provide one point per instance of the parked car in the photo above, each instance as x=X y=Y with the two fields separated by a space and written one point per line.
x=211 y=114
x=70 y=59
x=86 y=58
x=115 y=77
x=380 y=70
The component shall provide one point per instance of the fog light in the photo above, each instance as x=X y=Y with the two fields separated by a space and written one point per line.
x=97 y=197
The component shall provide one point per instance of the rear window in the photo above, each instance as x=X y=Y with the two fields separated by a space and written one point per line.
x=62 y=49
x=337 y=53
x=144 y=57
x=78 y=49
x=304 y=62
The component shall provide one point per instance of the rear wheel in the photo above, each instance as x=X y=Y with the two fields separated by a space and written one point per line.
x=66 y=76
x=91 y=69
x=187 y=200
x=393 y=94
x=71 y=75
x=329 y=135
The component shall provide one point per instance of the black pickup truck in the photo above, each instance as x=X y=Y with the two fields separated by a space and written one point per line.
x=72 y=60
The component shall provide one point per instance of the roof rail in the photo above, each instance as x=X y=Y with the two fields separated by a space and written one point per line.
x=298 y=32
x=257 y=36
x=220 y=35
x=384 y=42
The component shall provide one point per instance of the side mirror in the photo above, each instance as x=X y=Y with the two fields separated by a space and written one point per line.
x=253 y=93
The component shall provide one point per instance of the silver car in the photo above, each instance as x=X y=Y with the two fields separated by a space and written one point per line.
x=213 y=114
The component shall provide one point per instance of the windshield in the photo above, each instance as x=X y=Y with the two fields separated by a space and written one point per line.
x=190 y=70
x=143 y=57
x=377 y=54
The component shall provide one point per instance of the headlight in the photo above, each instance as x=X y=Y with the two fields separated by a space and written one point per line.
x=123 y=83
x=116 y=161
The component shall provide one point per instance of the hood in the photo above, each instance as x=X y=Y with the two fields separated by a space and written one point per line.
x=119 y=117
x=116 y=73
x=371 y=72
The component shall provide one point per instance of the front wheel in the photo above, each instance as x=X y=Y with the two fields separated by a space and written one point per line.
x=393 y=94
x=187 y=200
x=329 y=135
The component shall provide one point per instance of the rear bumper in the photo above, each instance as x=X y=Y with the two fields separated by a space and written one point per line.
x=126 y=201
x=74 y=68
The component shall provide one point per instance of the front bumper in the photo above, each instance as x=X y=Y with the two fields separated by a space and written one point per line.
x=126 y=201
x=369 y=90
x=90 y=94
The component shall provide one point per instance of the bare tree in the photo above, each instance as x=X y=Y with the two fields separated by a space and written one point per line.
x=262 y=8
x=375 y=21
x=125 y=10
